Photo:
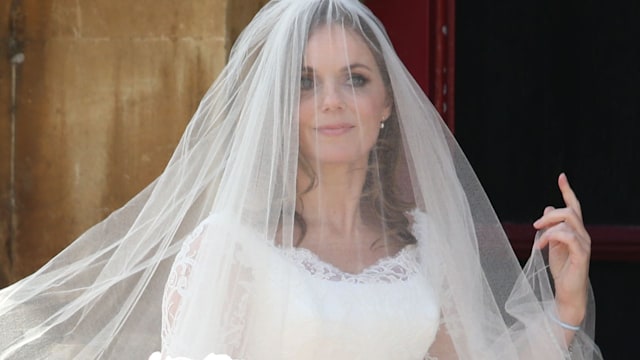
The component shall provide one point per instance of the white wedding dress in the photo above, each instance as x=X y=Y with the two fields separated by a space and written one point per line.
x=387 y=311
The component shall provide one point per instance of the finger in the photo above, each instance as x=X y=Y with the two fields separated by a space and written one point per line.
x=539 y=224
x=569 y=197
x=567 y=216
x=577 y=248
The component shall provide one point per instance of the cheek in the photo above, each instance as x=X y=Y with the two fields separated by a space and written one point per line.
x=306 y=119
x=372 y=110
x=306 y=113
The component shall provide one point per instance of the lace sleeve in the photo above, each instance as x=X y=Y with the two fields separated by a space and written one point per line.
x=228 y=326
x=178 y=281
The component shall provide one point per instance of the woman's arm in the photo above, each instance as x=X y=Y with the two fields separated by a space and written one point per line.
x=563 y=231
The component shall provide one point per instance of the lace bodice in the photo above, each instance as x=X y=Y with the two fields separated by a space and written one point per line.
x=386 y=270
x=304 y=308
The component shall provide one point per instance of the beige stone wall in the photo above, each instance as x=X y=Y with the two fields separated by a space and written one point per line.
x=240 y=13
x=103 y=96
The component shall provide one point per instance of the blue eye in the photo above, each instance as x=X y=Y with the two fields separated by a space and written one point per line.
x=358 y=80
x=306 y=83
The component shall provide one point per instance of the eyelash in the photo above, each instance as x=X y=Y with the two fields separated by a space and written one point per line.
x=306 y=82
x=356 y=80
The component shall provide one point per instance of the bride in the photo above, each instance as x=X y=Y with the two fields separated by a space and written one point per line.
x=315 y=208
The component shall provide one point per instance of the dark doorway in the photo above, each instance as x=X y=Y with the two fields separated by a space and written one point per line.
x=547 y=86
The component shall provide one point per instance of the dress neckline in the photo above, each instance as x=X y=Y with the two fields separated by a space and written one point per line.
x=388 y=269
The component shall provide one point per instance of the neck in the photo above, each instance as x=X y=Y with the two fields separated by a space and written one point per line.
x=334 y=202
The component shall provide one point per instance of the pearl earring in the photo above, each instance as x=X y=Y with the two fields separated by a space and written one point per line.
x=382 y=125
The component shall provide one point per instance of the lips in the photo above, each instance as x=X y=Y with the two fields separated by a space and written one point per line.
x=334 y=129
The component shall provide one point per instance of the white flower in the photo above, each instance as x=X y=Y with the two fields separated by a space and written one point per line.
x=218 y=357
x=212 y=356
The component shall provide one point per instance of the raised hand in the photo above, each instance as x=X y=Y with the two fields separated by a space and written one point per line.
x=569 y=253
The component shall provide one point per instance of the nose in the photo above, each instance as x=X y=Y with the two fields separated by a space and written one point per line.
x=331 y=98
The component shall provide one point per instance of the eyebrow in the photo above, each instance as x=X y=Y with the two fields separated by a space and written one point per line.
x=350 y=67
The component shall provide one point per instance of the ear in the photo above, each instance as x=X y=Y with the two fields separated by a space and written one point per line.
x=386 y=112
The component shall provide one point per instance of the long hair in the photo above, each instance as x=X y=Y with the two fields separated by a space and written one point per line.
x=379 y=193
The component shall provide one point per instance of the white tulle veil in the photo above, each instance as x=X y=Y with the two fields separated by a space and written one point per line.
x=233 y=176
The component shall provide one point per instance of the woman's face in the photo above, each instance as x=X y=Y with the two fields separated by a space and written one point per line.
x=343 y=98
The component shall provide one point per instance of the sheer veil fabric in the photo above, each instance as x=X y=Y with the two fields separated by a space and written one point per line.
x=233 y=249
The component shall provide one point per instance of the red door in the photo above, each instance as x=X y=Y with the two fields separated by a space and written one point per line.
x=423 y=34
